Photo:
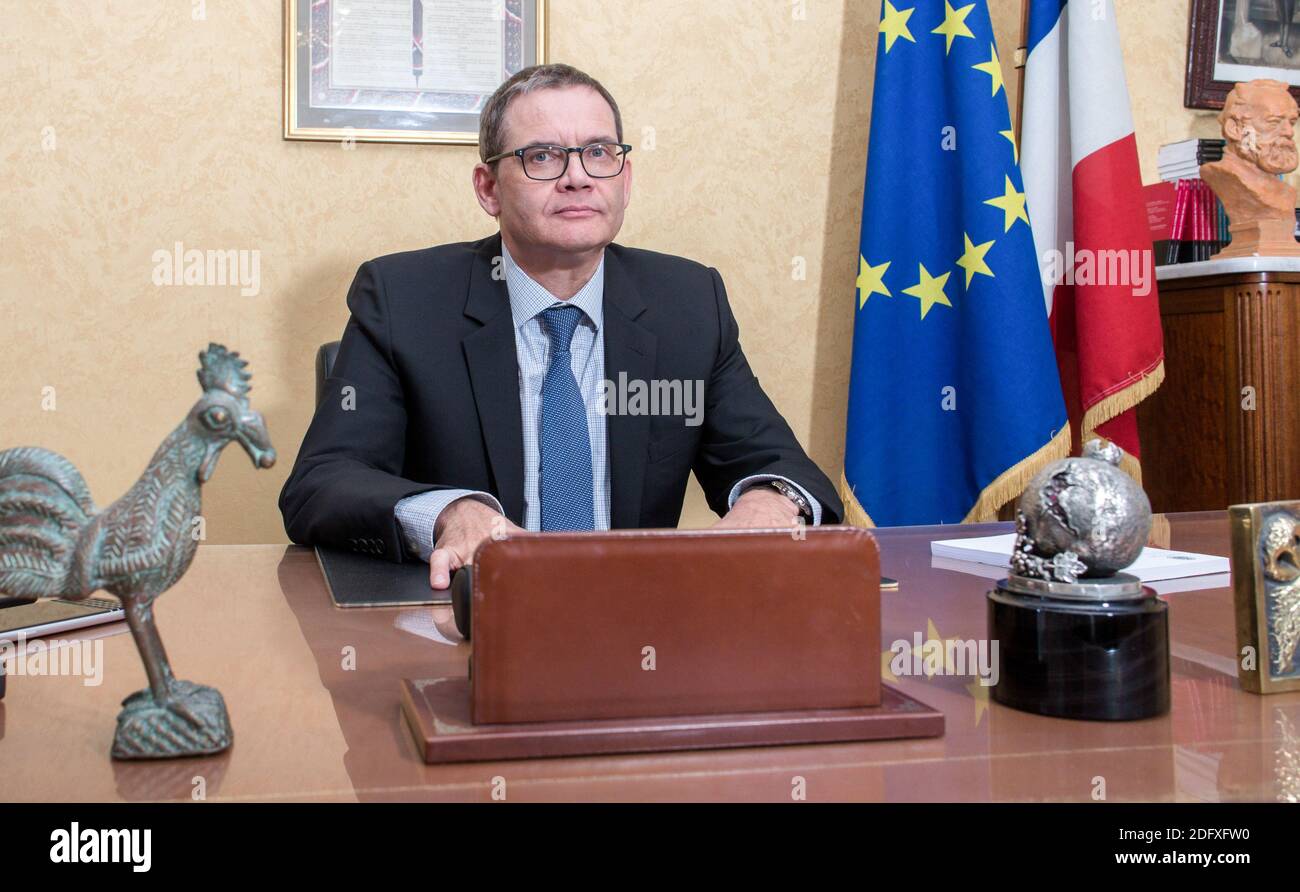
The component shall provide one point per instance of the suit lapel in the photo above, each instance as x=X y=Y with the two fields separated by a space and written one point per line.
x=630 y=350
x=494 y=375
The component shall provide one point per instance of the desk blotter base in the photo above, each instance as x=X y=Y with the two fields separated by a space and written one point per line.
x=437 y=713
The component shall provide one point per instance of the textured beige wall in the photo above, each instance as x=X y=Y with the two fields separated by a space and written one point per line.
x=139 y=126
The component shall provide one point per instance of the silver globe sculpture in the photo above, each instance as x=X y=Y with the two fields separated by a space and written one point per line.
x=1081 y=517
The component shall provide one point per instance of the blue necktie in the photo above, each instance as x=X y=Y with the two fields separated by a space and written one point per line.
x=565 y=484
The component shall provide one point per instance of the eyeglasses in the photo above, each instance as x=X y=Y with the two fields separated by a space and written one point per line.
x=599 y=159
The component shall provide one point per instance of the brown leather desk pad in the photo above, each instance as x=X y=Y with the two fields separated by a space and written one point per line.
x=738 y=621
x=618 y=631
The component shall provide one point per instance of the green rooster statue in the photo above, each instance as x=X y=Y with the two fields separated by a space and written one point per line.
x=54 y=543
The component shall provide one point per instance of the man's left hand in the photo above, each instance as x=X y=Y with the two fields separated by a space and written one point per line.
x=760 y=507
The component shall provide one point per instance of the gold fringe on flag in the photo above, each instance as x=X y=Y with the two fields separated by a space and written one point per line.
x=1007 y=486
x=1132 y=467
x=854 y=513
x=1127 y=463
x=1012 y=482
x=1121 y=401
x=1160 y=531
x=1118 y=403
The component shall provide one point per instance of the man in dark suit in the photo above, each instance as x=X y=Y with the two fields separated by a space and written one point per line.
x=544 y=377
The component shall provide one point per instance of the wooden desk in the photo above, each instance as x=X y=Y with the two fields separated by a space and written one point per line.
x=256 y=622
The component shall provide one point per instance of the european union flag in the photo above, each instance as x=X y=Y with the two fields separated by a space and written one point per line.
x=954 y=398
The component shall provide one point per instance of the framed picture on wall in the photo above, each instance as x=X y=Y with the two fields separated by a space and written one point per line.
x=1229 y=41
x=402 y=70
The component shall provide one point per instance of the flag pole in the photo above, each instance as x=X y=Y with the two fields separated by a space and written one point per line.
x=1020 y=57
x=1008 y=510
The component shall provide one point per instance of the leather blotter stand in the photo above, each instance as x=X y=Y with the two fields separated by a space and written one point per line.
x=437 y=711
x=646 y=640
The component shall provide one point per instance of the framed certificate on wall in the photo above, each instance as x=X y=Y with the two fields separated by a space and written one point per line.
x=1230 y=41
x=402 y=70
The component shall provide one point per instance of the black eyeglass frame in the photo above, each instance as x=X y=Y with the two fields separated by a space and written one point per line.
x=568 y=153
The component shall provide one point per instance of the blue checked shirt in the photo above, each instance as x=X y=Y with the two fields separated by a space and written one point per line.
x=418 y=514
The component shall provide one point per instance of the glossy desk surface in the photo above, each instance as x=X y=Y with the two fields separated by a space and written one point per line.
x=313 y=697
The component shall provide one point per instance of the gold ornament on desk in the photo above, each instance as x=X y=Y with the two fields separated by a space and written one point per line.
x=1258 y=122
x=1266 y=586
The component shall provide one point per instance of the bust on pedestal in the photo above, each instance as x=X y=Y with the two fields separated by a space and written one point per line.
x=1258 y=121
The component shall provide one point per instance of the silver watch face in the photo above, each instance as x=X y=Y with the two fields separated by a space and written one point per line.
x=793 y=495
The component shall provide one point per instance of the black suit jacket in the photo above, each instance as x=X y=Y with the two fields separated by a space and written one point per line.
x=429 y=353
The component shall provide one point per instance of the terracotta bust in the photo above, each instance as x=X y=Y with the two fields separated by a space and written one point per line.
x=1258 y=122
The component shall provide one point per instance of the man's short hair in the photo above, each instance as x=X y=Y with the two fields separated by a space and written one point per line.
x=491 y=126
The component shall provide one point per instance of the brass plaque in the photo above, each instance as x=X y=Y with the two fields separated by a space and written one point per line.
x=1266 y=590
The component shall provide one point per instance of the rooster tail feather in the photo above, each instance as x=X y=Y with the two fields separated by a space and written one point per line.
x=44 y=505
x=52 y=467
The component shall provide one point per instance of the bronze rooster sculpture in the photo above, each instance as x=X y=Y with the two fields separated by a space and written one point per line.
x=54 y=543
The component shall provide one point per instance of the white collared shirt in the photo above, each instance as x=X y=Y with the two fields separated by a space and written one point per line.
x=418 y=514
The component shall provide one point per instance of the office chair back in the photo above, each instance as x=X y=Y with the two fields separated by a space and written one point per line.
x=325 y=357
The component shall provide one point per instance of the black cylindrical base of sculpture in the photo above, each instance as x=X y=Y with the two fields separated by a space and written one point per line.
x=1081 y=660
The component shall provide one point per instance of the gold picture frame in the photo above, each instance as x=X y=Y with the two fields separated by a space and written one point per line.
x=1266 y=593
x=351 y=90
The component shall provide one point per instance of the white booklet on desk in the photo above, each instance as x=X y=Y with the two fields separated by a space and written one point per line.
x=1152 y=565
x=1160 y=586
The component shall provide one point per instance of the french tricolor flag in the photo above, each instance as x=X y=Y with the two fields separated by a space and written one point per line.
x=1084 y=196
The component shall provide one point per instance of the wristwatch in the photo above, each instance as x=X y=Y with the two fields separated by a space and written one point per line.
x=793 y=495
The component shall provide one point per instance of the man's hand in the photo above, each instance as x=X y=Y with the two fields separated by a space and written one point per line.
x=462 y=527
x=759 y=507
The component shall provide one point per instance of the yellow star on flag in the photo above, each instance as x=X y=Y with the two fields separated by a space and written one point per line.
x=929 y=290
x=893 y=24
x=993 y=68
x=871 y=280
x=1012 y=205
x=1011 y=138
x=980 y=693
x=932 y=634
x=973 y=260
x=933 y=640
x=886 y=670
x=954 y=24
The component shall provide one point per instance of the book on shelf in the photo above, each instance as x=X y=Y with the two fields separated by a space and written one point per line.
x=1188 y=222
x=1183 y=160
x=1189 y=150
